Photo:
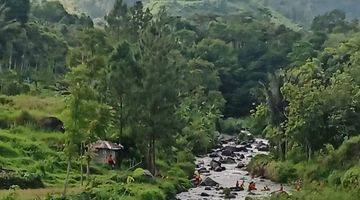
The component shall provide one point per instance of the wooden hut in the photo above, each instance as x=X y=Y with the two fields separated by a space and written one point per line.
x=103 y=149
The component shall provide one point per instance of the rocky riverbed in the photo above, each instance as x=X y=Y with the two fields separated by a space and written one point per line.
x=226 y=165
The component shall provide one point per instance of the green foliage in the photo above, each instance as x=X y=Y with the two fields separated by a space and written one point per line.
x=231 y=126
x=351 y=178
x=280 y=172
x=23 y=180
x=154 y=194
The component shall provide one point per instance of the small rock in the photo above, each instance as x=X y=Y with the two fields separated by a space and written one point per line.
x=204 y=194
x=203 y=170
x=207 y=188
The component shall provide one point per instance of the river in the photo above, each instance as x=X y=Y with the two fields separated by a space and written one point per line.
x=228 y=177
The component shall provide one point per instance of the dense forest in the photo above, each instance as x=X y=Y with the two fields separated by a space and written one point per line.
x=166 y=79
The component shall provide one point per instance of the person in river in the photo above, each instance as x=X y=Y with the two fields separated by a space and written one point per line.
x=266 y=188
x=111 y=161
x=197 y=178
x=281 y=188
x=252 y=186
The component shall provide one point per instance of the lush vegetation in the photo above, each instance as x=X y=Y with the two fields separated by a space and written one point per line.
x=308 y=115
x=165 y=86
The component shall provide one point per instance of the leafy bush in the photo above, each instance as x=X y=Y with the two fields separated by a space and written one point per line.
x=169 y=189
x=231 y=126
x=152 y=194
x=280 y=171
x=140 y=176
x=7 y=151
x=176 y=171
x=138 y=172
x=258 y=164
x=335 y=178
x=185 y=156
x=187 y=167
x=351 y=178
x=25 y=118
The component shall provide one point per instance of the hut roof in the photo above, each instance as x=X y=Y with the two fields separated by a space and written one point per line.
x=101 y=144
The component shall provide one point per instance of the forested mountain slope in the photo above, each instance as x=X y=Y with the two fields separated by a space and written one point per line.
x=283 y=11
x=201 y=9
x=303 y=11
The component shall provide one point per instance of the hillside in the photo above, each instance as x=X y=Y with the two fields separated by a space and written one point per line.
x=184 y=8
x=300 y=12
x=303 y=11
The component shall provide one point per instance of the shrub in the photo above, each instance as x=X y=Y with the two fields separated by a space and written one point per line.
x=335 y=178
x=351 y=178
x=185 y=156
x=169 y=189
x=7 y=151
x=187 y=167
x=182 y=184
x=280 y=171
x=349 y=151
x=152 y=194
x=176 y=171
x=23 y=180
x=231 y=126
x=25 y=118
x=138 y=172
x=140 y=176
x=258 y=164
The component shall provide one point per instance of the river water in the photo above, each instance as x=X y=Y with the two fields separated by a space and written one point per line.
x=229 y=176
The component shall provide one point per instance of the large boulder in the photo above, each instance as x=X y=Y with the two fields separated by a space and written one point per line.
x=263 y=147
x=209 y=182
x=228 y=152
x=227 y=160
x=219 y=169
x=214 y=164
x=230 y=148
x=241 y=148
x=240 y=165
x=214 y=155
x=51 y=124
x=203 y=170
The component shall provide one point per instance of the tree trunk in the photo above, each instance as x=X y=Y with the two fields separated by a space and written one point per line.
x=121 y=116
x=67 y=176
x=81 y=165
x=151 y=156
x=88 y=169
